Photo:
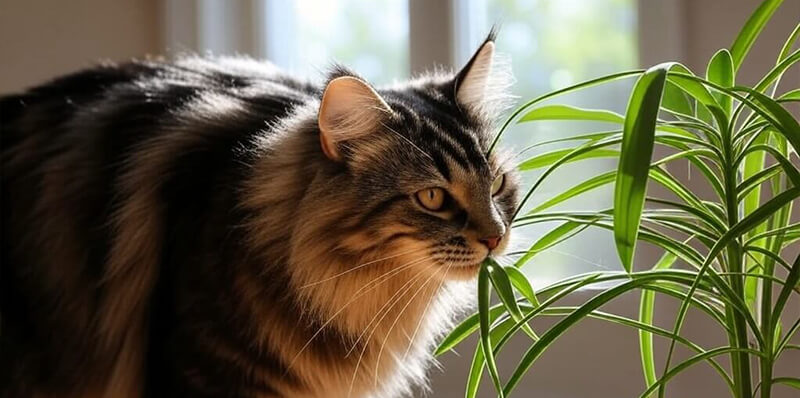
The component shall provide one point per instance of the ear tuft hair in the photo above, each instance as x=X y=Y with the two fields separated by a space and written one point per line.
x=492 y=36
x=338 y=70
x=483 y=83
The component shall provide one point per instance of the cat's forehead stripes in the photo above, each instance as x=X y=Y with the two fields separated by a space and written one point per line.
x=446 y=134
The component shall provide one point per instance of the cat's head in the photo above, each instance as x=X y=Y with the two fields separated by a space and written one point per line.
x=420 y=182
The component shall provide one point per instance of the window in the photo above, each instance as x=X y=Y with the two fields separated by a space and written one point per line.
x=371 y=37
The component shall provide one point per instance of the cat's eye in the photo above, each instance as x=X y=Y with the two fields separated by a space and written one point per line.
x=431 y=198
x=498 y=184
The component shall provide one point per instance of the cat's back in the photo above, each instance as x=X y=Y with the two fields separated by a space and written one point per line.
x=84 y=162
x=144 y=90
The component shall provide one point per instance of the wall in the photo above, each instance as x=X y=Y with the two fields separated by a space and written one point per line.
x=691 y=31
x=41 y=38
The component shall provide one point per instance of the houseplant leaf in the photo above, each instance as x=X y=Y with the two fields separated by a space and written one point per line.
x=637 y=149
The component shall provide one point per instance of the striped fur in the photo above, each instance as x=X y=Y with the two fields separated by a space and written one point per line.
x=174 y=229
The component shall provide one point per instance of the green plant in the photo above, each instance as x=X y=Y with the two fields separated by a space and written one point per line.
x=730 y=248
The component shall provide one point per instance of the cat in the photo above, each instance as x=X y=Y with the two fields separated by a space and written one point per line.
x=216 y=227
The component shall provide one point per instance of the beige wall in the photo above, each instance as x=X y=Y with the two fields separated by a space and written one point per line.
x=715 y=23
x=43 y=38
x=691 y=31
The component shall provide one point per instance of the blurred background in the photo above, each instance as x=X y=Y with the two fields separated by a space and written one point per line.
x=552 y=44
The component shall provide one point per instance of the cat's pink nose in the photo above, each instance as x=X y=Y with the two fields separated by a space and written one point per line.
x=491 y=242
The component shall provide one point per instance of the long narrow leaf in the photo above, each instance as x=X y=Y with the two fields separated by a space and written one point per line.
x=637 y=149
x=642 y=327
x=789 y=381
x=579 y=86
x=747 y=36
x=766 y=107
x=466 y=328
x=789 y=169
x=775 y=74
x=483 y=310
x=604 y=179
x=547 y=159
x=585 y=186
x=589 y=137
x=694 y=360
x=479 y=360
x=502 y=285
x=786 y=338
x=749 y=222
x=793 y=95
x=522 y=285
x=565 y=112
x=720 y=71
x=784 y=122
x=646 y=317
x=562 y=326
x=751 y=184
x=676 y=101
x=791 y=281
x=787 y=46
x=549 y=239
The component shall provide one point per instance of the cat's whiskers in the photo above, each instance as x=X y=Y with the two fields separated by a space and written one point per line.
x=526 y=150
x=375 y=327
x=579 y=258
x=361 y=266
x=427 y=306
x=392 y=300
x=358 y=293
x=366 y=342
x=403 y=310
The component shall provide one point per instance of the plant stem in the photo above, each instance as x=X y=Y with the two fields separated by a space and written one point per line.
x=765 y=364
x=766 y=376
x=740 y=361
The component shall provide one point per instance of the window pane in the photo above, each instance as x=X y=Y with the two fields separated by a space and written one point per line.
x=369 y=36
x=554 y=44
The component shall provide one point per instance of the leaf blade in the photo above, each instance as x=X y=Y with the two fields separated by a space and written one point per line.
x=484 y=296
x=646 y=310
x=747 y=36
x=720 y=71
x=637 y=150
x=522 y=285
x=566 y=112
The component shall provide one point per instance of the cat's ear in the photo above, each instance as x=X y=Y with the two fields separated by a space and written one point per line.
x=350 y=109
x=483 y=82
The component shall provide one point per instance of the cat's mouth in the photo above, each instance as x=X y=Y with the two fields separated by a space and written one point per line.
x=461 y=258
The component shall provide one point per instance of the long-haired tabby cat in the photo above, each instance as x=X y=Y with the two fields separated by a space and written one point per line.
x=214 y=227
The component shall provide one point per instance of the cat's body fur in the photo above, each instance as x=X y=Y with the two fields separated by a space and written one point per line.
x=164 y=235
